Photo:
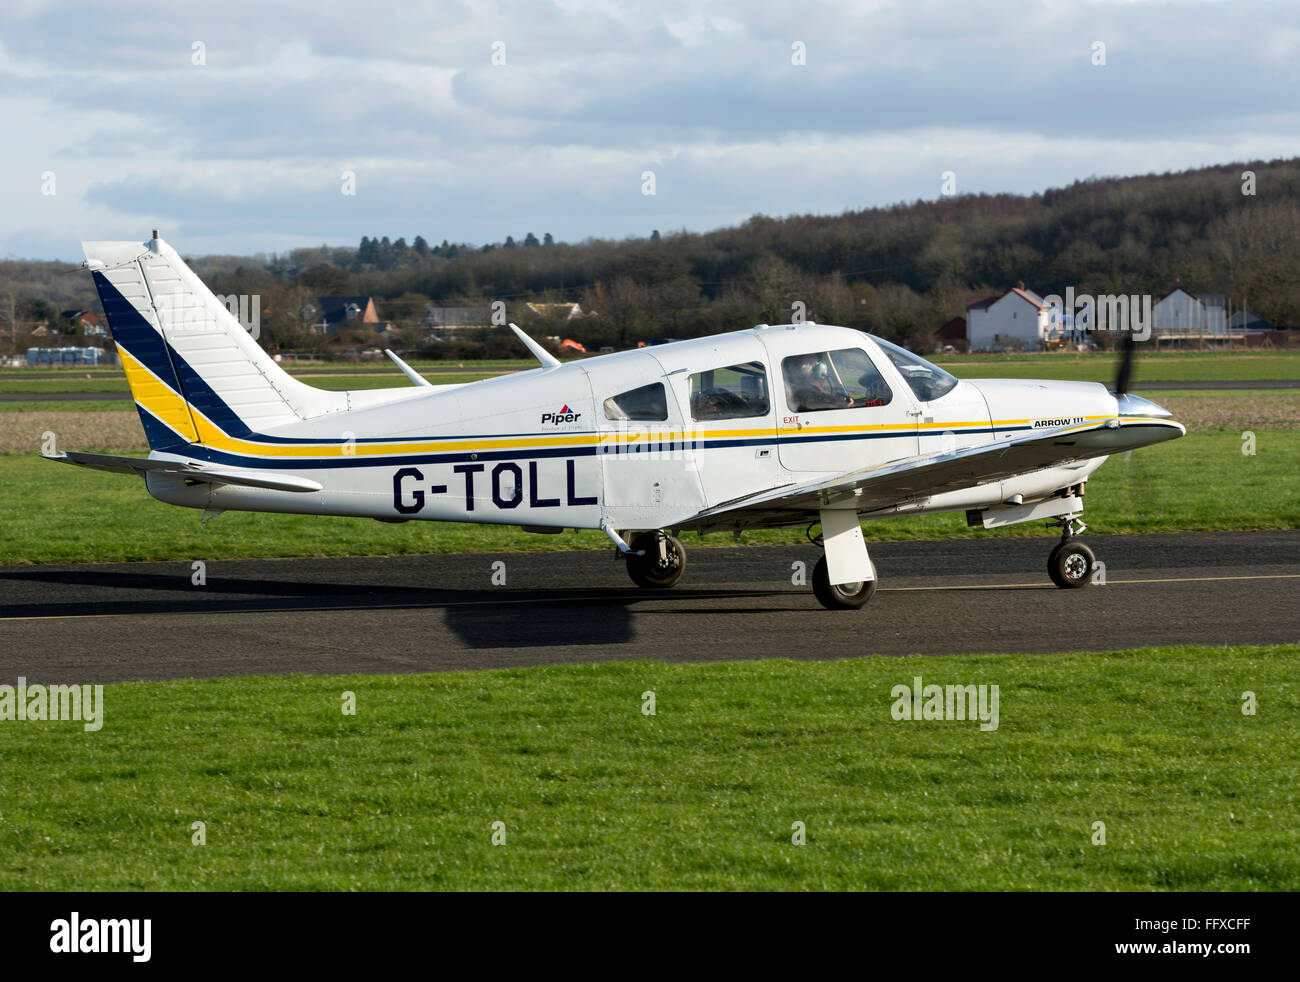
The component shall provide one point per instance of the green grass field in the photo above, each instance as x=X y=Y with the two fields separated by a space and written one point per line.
x=593 y=794
x=68 y=406
x=379 y=380
x=57 y=513
x=424 y=364
x=387 y=381
x=1150 y=366
x=302 y=368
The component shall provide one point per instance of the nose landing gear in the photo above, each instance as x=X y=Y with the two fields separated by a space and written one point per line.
x=662 y=561
x=1071 y=564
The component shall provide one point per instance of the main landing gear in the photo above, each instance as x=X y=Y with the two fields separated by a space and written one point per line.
x=1071 y=563
x=841 y=538
x=661 y=563
x=841 y=596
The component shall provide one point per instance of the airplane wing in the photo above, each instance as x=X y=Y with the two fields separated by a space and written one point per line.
x=900 y=481
x=190 y=470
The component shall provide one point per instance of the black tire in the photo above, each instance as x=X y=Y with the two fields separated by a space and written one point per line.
x=1071 y=565
x=842 y=596
x=647 y=571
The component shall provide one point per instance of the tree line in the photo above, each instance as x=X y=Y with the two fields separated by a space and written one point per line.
x=900 y=271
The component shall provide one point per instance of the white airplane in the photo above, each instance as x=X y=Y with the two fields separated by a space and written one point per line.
x=784 y=425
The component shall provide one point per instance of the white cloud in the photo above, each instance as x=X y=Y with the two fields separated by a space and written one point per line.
x=244 y=154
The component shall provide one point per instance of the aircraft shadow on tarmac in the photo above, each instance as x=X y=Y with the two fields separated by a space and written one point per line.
x=493 y=618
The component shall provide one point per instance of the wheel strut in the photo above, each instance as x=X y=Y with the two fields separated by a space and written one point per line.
x=1071 y=564
x=1070 y=525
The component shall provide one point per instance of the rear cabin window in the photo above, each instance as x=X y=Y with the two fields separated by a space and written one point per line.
x=734 y=392
x=844 y=379
x=649 y=403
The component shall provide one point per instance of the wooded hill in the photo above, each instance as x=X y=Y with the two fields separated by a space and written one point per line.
x=900 y=271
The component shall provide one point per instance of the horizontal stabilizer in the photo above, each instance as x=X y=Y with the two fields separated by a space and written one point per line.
x=191 y=471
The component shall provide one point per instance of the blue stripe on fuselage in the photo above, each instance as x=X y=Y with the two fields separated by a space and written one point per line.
x=538 y=453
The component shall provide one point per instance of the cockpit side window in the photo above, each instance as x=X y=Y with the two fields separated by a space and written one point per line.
x=926 y=380
x=843 y=379
x=649 y=403
x=734 y=392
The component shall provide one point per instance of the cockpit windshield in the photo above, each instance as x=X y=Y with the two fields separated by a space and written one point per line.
x=928 y=381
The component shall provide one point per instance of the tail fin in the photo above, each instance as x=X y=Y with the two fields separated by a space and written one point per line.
x=195 y=372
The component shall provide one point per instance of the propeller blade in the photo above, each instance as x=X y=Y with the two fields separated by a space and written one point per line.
x=1125 y=374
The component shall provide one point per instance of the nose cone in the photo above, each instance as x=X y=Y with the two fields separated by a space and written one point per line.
x=1131 y=405
x=1140 y=422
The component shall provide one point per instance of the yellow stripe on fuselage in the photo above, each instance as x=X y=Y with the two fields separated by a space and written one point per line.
x=161 y=401
x=213 y=436
x=909 y=427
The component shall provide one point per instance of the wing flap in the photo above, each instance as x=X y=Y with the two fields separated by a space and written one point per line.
x=191 y=471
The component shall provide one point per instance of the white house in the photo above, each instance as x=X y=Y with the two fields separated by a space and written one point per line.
x=1019 y=319
x=560 y=311
x=1181 y=314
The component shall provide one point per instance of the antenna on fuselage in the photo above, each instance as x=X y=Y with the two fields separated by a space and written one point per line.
x=547 y=359
x=408 y=371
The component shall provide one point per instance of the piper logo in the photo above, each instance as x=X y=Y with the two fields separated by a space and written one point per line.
x=565 y=415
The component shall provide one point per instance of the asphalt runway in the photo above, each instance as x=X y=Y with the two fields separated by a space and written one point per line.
x=115 y=622
x=1247 y=384
x=1138 y=388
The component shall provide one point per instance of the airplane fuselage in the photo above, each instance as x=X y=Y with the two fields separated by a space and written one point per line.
x=569 y=447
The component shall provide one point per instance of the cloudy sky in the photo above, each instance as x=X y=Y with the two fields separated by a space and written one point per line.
x=230 y=125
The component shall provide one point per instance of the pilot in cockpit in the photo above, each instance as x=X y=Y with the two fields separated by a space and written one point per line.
x=811 y=384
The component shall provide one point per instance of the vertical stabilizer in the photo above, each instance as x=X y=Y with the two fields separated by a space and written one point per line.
x=194 y=370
